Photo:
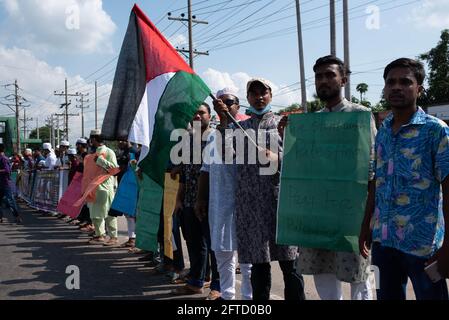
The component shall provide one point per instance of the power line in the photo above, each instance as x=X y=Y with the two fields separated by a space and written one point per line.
x=229 y=8
x=219 y=10
x=162 y=17
x=261 y=21
x=72 y=86
x=244 y=19
x=209 y=30
x=291 y=30
x=195 y=4
x=254 y=25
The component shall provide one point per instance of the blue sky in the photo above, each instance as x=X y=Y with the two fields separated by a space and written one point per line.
x=244 y=39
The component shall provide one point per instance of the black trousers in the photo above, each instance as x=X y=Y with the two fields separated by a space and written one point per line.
x=197 y=236
x=261 y=281
x=84 y=215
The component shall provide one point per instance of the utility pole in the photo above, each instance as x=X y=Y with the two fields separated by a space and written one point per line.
x=66 y=104
x=65 y=116
x=189 y=5
x=190 y=21
x=96 y=107
x=82 y=107
x=346 y=48
x=301 y=58
x=56 y=117
x=58 y=138
x=37 y=127
x=333 y=35
x=15 y=102
x=25 y=119
x=52 y=132
x=16 y=88
x=50 y=123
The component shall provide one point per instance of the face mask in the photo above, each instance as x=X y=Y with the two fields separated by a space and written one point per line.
x=260 y=112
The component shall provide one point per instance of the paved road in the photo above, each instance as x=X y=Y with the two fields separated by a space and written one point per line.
x=35 y=255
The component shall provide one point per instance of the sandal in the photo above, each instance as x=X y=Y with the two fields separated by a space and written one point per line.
x=136 y=250
x=131 y=243
x=87 y=229
x=97 y=240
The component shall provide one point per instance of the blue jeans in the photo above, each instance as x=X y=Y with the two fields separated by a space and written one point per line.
x=396 y=267
x=6 y=194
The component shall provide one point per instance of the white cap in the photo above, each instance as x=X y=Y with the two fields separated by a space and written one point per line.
x=65 y=144
x=28 y=151
x=71 y=151
x=260 y=80
x=47 y=146
x=226 y=90
x=95 y=132
x=81 y=141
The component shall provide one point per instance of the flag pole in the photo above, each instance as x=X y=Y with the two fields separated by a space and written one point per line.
x=237 y=124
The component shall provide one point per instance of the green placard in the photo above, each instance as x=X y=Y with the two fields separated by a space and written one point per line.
x=324 y=180
x=149 y=206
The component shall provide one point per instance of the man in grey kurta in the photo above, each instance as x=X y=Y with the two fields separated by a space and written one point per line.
x=256 y=200
x=330 y=268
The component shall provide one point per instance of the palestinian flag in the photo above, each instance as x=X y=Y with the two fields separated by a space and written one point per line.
x=154 y=92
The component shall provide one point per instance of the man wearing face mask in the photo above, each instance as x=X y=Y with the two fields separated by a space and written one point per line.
x=257 y=196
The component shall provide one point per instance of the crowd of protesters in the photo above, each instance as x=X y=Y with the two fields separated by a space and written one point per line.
x=227 y=211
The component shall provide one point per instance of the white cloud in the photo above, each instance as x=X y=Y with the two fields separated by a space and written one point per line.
x=431 y=14
x=217 y=80
x=178 y=40
x=39 y=80
x=59 y=25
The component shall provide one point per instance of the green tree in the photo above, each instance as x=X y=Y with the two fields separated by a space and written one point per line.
x=365 y=103
x=362 y=88
x=315 y=105
x=44 y=133
x=437 y=60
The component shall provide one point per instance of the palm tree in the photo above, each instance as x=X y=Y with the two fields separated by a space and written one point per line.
x=362 y=88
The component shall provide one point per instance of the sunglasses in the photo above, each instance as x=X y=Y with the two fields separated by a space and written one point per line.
x=229 y=102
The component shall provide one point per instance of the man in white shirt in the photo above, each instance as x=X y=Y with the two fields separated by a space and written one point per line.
x=50 y=156
x=63 y=159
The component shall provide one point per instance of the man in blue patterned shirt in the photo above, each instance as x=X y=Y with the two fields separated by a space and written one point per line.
x=404 y=218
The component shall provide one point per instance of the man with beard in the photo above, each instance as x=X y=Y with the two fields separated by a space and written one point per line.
x=195 y=232
x=403 y=218
x=218 y=207
x=330 y=268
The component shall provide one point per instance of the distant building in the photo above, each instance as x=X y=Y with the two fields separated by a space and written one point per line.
x=439 y=111
x=8 y=136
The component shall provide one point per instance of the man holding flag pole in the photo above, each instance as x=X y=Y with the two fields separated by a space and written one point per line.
x=154 y=92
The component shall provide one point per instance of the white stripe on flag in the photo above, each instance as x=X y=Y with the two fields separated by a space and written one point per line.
x=143 y=125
